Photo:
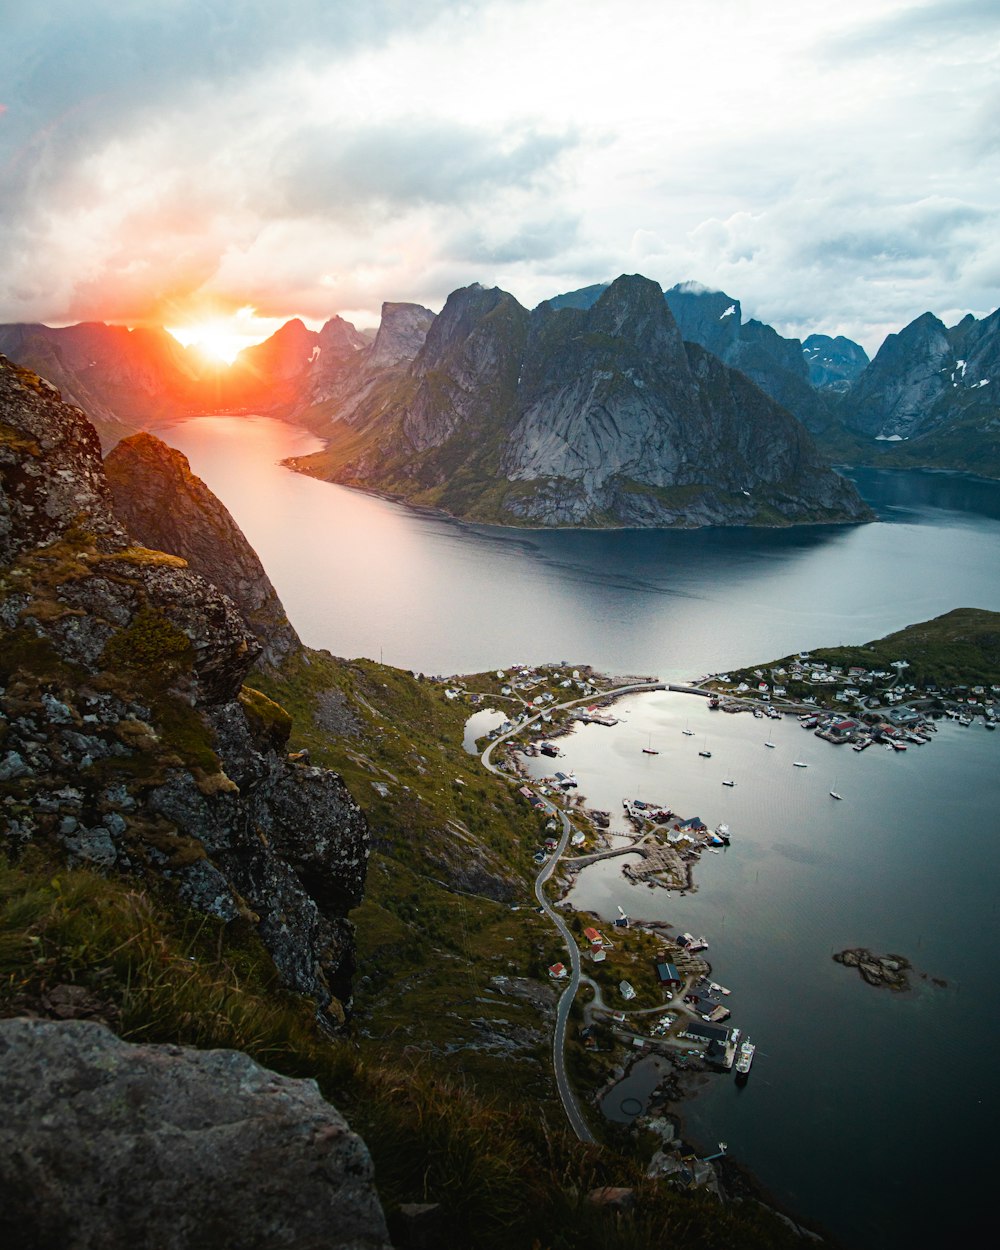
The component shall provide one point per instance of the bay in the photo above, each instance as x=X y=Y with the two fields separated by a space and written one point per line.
x=870 y=1112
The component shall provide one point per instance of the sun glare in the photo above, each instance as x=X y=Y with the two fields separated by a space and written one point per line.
x=215 y=340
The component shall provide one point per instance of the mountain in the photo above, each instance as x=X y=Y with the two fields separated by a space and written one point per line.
x=123 y=378
x=122 y=694
x=569 y=416
x=933 y=395
x=165 y=506
x=130 y=379
x=173 y=876
x=776 y=364
x=833 y=364
x=360 y=378
x=714 y=320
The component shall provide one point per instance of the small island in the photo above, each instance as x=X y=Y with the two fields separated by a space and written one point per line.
x=885 y=970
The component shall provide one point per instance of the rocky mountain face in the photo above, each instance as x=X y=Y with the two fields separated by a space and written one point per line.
x=363 y=379
x=774 y=363
x=834 y=364
x=115 y=1145
x=931 y=397
x=570 y=416
x=714 y=320
x=163 y=505
x=127 y=736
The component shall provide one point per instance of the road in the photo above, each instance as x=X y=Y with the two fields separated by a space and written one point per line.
x=566 y=1093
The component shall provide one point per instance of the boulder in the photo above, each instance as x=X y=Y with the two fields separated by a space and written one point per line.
x=109 y=1145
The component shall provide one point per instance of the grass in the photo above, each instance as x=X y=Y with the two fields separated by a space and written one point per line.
x=505 y=1175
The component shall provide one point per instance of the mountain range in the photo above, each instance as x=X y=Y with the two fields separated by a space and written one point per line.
x=580 y=416
x=927 y=399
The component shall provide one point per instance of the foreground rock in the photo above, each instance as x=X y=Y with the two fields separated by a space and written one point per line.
x=108 y=1145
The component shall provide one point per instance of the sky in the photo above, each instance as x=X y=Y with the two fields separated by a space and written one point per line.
x=836 y=168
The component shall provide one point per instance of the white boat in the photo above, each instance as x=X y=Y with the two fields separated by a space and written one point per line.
x=799 y=764
x=722 y=831
x=835 y=795
x=745 y=1059
x=769 y=744
x=729 y=783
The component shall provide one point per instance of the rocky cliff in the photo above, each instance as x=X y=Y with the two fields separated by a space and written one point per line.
x=163 y=505
x=127 y=737
x=570 y=416
x=931 y=396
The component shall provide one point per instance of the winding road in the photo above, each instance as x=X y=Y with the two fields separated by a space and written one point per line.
x=566 y=1093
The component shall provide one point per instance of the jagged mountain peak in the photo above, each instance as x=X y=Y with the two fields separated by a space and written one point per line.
x=632 y=308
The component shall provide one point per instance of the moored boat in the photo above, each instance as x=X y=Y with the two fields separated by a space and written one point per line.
x=745 y=1057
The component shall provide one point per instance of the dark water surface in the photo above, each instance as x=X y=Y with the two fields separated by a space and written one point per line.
x=871 y=1112
x=361 y=575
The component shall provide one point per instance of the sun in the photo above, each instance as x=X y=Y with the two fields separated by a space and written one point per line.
x=217 y=340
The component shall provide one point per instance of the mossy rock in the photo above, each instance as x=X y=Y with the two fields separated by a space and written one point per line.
x=268 y=718
x=151 y=643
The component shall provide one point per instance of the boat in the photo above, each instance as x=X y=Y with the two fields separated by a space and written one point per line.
x=687 y=731
x=799 y=764
x=835 y=795
x=693 y=944
x=722 y=831
x=650 y=749
x=769 y=743
x=729 y=783
x=705 y=754
x=745 y=1058
x=898 y=746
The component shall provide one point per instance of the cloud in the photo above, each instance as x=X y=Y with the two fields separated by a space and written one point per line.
x=830 y=167
x=325 y=170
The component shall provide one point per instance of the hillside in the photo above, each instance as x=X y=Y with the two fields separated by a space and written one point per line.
x=173 y=870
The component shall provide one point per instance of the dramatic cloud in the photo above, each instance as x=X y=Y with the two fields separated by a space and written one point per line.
x=835 y=168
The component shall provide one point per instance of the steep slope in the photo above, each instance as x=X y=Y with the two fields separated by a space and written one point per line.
x=128 y=740
x=774 y=363
x=581 y=417
x=163 y=505
x=357 y=382
x=930 y=397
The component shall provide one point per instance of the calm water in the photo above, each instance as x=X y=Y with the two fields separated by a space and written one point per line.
x=362 y=576
x=873 y=1113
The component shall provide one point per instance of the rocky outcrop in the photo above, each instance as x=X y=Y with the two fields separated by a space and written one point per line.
x=110 y=1145
x=163 y=505
x=597 y=416
x=127 y=737
x=890 y=971
x=401 y=334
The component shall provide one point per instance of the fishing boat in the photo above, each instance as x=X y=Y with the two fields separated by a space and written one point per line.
x=745 y=1058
